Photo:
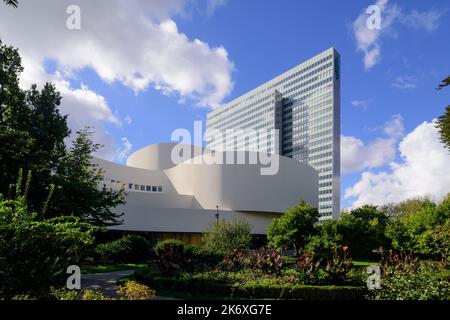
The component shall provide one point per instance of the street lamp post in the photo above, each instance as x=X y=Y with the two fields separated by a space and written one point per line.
x=217 y=215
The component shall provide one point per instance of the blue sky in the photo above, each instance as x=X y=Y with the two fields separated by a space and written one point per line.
x=384 y=102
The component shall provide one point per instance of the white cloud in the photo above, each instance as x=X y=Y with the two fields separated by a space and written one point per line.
x=428 y=20
x=423 y=171
x=128 y=120
x=134 y=42
x=357 y=156
x=404 y=82
x=124 y=151
x=212 y=5
x=369 y=40
x=394 y=127
x=84 y=107
x=364 y=104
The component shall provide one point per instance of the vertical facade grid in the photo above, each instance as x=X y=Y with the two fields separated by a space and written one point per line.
x=304 y=105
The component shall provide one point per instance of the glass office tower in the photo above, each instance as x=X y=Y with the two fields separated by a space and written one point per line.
x=304 y=105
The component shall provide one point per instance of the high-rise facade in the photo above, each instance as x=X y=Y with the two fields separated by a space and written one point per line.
x=303 y=105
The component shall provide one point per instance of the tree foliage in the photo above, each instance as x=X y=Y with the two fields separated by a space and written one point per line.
x=421 y=226
x=363 y=230
x=294 y=228
x=32 y=136
x=325 y=240
x=227 y=235
x=443 y=122
x=443 y=125
x=79 y=193
x=34 y=252
x=444 y=83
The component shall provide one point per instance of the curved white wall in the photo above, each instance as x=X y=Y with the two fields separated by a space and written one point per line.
x=192 y=190
x=242 y=187
x=156 y=156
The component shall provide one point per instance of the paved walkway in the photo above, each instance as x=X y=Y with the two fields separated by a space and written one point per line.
x=107 y=283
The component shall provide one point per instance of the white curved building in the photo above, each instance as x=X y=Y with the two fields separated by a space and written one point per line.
x=179 y=200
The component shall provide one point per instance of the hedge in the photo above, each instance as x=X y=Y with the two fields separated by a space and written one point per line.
x=260 y=291
x=129 y=248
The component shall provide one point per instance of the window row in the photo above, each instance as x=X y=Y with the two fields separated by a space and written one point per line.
x=141 y=187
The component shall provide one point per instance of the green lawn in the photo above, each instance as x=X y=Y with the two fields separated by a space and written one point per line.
x=360 y=263
x=111 y=267
x=356 y=263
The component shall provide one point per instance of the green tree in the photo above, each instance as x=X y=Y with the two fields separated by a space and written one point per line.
x=78 y=180
x=443 y=125
x=32 y=136
x=415 y=223
x=227 y=235
x=436 y=242
x=325 y=240
x=363 y=230
x=444 y=83
x=293 y=228
x=34 y=253
x=443 y=122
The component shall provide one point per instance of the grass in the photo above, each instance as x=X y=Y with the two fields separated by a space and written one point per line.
x=356 y=263
x=289 y=259
x=112 y=267
x=362 y=263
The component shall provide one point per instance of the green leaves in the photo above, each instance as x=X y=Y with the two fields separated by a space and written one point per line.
x=443 y=125
x=35 y=254
x=227 y=235
x=444 y=83
x=415 y=224
x=293 y=228
x=443 y=122
x=79 y=193
x=32 y=136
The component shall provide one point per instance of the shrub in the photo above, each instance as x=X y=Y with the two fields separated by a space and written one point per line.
x=34 y=254
x=197 y=258
x=85 y=294
x=233 y=260
x=327 y=238
x=170 y=255
x=363 y=230
x=412 y=280
x=262 y=290
x=23 y=297
x=148 y=272
x=64 y=294
x=129 y=248
x=135 y=291
x=405 y=277
x=192 y=251
x=266 y=261
x=227 y=235
x=438 y=240
x=339 y=265
x=88 y=294
x=294 y=228
x=309 y=267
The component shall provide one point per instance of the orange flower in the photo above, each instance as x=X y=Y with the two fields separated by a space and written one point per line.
x=345 y=248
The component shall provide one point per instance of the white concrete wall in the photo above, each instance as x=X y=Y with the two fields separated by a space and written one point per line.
x=242 y=187
x=169 y=213
x=192 y=191
x=157 y=156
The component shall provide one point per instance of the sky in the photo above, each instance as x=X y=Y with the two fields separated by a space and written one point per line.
x=134 y=71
